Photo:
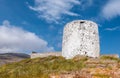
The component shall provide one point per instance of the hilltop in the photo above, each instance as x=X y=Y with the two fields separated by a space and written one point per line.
x=12 y=57
x=59 y=67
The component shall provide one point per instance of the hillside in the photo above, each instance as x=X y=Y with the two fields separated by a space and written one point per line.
x=59 y=67
x=12 y=57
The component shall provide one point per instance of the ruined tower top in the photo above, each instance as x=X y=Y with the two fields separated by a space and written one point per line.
x=80 y=37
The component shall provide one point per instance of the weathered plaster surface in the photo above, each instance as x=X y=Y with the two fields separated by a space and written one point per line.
x=45 y=54
x=80 y=37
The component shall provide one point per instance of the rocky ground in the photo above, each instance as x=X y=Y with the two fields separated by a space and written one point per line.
x=107 y=67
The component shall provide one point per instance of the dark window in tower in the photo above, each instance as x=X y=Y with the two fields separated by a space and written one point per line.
x=82 y=22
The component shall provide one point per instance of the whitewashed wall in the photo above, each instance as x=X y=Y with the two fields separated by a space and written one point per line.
x=45 y=54
x=80 y=37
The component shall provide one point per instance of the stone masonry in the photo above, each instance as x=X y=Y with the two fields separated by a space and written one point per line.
x=80 y=37
x=45 y=54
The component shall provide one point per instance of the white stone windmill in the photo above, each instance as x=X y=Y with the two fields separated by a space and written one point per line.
x=80 y=37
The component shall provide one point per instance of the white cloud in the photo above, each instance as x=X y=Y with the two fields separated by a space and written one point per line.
x=52 y=10
x=14 y=39
x=112 y=29
x=111 y=9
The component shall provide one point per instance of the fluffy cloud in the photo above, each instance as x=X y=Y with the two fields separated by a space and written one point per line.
x=14 y=39
x=111 y=9
x=52 y=10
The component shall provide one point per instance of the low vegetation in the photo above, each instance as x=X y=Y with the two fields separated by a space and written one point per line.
x=110 y=58
x=44 y=67
x=102 y=76
x=39 y=67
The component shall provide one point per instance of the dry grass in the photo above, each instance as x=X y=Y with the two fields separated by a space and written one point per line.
x=39 y=67
x=44 y=67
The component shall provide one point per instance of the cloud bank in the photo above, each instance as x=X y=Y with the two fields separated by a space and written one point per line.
x=111 y=9
x=14 y=39
x=52 y=10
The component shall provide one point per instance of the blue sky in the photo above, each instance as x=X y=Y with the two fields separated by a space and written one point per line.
x=37 y=25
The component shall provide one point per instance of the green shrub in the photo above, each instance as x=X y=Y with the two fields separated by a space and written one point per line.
x=102 y=75
x=109 y=58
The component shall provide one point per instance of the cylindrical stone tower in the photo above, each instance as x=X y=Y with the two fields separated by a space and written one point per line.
x=80 y=37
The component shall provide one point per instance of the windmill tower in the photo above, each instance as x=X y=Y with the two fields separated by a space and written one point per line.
x=80 y=37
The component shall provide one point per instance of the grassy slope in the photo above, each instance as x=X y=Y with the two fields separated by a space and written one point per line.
x=39 y=67
x=42 y=67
